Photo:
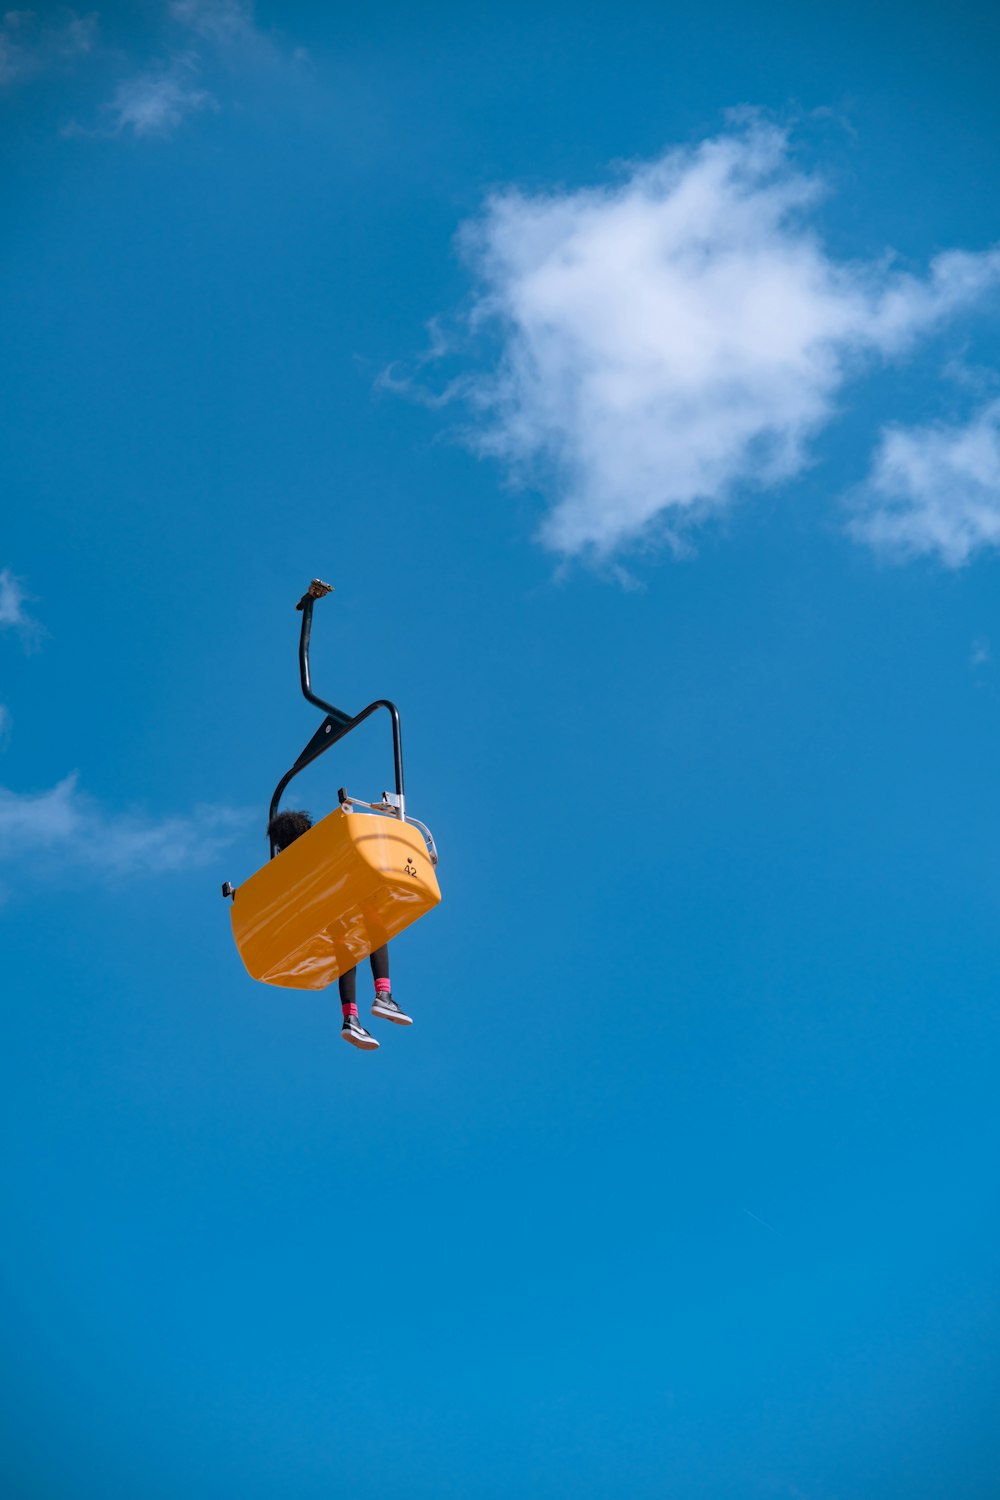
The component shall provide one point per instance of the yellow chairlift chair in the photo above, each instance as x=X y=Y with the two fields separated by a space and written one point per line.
x=347 y=885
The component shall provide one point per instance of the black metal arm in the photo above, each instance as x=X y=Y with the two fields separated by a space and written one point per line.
x=336 y=724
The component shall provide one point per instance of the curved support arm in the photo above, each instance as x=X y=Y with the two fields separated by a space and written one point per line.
x=316 y=590
x=337 y=732
x=337 y=723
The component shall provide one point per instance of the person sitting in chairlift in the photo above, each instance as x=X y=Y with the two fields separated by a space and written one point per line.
x=284 y=830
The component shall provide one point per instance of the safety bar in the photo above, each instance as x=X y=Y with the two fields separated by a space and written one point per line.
x=388 y=806
x=337 y=724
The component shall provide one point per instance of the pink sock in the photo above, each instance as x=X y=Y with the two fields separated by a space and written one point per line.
x=383 y=987
x=350 y=1010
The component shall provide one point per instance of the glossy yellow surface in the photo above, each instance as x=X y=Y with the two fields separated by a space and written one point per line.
x=341 y=890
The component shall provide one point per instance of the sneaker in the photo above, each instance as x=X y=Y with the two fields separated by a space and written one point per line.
x=352 y=1031
x=385 y=1006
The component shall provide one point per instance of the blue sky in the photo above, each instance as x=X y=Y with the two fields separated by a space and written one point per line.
x=635 y=377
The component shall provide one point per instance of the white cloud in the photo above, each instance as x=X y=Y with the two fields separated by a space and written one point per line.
x=934 y=490
x=63 y=830
x=203 y=49
x=154 y=104
x=213 y=39
x=223 y=22
x=29 y=46
x=680 y=336
x=13 y=615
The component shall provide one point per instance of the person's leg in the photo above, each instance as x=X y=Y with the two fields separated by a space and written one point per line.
x=348 y=984
x=380 y=969
x=385 y=1006
x=352 y=1030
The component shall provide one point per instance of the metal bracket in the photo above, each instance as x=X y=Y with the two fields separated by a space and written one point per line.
x=316 y=590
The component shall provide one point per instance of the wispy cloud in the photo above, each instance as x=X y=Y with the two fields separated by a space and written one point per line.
x=30 y=45
x=224 y=22
x=934 y=490
x=13 y=615
x=156 y=103
x=64 y=831
x=226 y=32
x=675 y=339
x=204 y=47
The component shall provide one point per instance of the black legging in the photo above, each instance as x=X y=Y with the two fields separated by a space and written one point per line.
x=349 y=982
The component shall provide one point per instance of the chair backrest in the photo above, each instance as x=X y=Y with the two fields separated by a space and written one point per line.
x=319 y=907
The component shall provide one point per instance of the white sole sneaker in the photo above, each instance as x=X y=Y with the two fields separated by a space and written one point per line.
x=363 y=1043
x=397 y=1016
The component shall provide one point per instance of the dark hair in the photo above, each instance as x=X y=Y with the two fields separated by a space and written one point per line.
x=286 y=827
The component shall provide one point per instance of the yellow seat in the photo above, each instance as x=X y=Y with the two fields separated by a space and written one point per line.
x=341 y=890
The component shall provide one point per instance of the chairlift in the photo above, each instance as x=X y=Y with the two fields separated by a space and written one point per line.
x=348 y=884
